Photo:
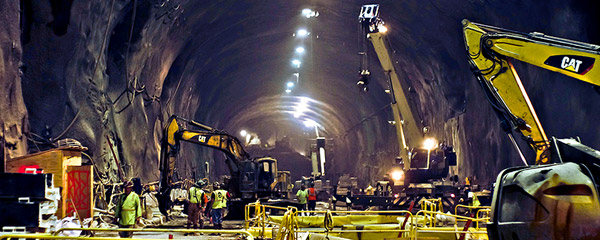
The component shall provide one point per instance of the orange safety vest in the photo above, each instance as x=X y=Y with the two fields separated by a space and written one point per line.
x=311 y=194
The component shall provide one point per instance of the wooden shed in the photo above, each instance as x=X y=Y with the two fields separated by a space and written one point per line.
x=76 y=188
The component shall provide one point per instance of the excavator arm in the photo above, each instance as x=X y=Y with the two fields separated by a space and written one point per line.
x=547 y=201
x=206 y=136
x=490 y=51
x=210 y=137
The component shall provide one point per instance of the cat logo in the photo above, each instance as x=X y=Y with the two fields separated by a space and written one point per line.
x=201 y=138
x=572 y=63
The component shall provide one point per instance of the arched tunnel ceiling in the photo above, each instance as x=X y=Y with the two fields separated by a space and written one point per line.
x=226 y=63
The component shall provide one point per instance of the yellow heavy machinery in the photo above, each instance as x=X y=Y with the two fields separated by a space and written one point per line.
x=423 y=159
x=557 y=198
x=251 y=178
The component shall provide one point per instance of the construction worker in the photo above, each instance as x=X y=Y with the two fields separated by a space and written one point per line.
x=312 y=198
x=197 y=203
x=302 y=196
x=219 y=203
x=129 y=210
x=370 y=190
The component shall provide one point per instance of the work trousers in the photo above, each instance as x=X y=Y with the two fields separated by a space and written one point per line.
x=125 y=234
x=312 y=204
x=217 y=216
x=303 y=208
x=195 y=216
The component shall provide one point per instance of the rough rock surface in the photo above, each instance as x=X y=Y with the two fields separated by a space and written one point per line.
x=115 y=70
x=13 y=120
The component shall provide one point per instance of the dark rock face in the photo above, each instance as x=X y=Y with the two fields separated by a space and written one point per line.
x=101 y=71
x=13 y=120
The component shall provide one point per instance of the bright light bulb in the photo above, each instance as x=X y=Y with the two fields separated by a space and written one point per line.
x=306 y=11
x=429 y=143
x=382 y=28
x=243 y=133
x=302 y=33
x=290 y=84
x=397 y=175
x=296 y=62
x=288 y=90
x=300 y=50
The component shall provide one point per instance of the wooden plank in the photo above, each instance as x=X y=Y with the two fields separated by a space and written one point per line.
x=50 y=161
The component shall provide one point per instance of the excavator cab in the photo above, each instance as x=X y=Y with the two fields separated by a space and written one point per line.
x=427 y=164
x=267 y=174
x=555 y=201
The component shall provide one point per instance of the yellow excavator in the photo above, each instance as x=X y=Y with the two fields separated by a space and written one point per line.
x=251 y=178
x=558 y=197
x=424 y=160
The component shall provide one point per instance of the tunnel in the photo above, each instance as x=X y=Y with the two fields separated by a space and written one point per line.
x=110 y=73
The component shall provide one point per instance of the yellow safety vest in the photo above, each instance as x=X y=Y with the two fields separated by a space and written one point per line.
x=196 y=195
x=220 y=199
x=129 y=209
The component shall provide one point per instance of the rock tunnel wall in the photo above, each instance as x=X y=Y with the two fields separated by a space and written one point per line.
x=101 y=71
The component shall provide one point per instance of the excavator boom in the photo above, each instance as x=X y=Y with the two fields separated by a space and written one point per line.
x=558 y=198
x=250 y=178
x=490 y=51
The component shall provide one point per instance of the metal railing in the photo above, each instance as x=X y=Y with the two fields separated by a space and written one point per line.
x=259 y=219
x=159 y=230
x=431 y=218
x=470 y=208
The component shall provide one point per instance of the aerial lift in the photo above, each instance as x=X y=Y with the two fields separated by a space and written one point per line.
x=558 y=197
x=423 y=160
x=251 y=178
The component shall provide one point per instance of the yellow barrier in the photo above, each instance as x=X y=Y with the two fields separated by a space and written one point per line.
x=260 y=219
x=45 y=236
x=480 y=234
x=290 y=228
x=432 y=204
x=432 y=222
x=243 y=232
x=471 y=208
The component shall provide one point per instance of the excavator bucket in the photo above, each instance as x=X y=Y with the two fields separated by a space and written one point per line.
x=557 y=201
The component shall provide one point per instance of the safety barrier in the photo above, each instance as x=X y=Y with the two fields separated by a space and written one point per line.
x=432 y=217
x=260 y=219
x=431 y=204
x=480 y=210
x=289 y=226
x=417 y=231
x=228 y=231
x=470 y=208
x=486 y=215
x=46 y=236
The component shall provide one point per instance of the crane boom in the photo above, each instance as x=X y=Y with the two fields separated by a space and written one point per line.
x=409 y=128
x=422 y=158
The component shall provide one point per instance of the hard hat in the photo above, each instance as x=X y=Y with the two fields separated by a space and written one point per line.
x=216 y=185
x=152 y=188
x=128 y=184
x=200 y=183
